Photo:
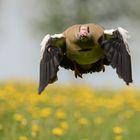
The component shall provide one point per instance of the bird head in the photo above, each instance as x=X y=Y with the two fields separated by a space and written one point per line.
x=84 y=33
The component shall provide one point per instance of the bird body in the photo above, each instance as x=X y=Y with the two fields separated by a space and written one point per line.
x=91 y=50
x=85 y=57
x=85 y=48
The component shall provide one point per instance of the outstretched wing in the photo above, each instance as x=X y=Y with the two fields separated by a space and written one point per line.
x=51 y=56
x=116 y=49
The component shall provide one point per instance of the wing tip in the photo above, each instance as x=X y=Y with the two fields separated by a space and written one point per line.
x=40 y=90
x=129 y=82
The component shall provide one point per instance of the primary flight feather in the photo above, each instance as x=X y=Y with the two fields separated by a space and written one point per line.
x=85 y=48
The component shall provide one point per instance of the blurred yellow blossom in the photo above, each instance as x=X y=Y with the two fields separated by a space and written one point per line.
x=35 y=129
x=118 y=130
x=59 y=100
x=23 y=138
x=64 y=125
x=83 y=121
x=118 y=137
x=98 y=120
x=23 y=122
x=18 y=117
x=60 y=114
x=34 y=111
x=58 y=131
x=45 y=112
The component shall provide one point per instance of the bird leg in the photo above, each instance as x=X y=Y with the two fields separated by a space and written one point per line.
x=99 y=66
x=76 y=71
x=102 y=66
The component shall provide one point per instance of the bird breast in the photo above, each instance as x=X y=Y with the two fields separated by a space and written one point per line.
x=85 y=56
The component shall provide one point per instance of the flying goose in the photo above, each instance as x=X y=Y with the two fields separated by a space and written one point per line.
x=85 y=48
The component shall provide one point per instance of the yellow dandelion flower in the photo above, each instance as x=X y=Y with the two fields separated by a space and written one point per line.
x=18 y=117
x=64 y=125
x=35 y=128
x=45 y=112
x=98 y=120
x=35 y=111
x=83 y=121
x=118 y=137
x=58 y=131
x=23 y=138
x=60 y=114
x=118 y=130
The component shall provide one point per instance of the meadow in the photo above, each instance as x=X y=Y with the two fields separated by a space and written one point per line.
x=68 y=113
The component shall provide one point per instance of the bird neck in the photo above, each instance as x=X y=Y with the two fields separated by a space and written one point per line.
x=87 y=42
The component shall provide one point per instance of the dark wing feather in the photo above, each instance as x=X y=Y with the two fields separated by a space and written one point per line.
x=118 y=55
x=49 y=64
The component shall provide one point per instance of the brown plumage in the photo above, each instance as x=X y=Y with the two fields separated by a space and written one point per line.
x=85 y=48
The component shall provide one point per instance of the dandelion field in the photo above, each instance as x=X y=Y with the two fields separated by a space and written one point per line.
x=68 y=113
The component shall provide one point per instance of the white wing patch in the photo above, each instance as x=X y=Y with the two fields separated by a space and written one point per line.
x=57 y=36
x=125 y=36
x=109 y=31
x=124 y=33
x=43 y=44
x=46 y=39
